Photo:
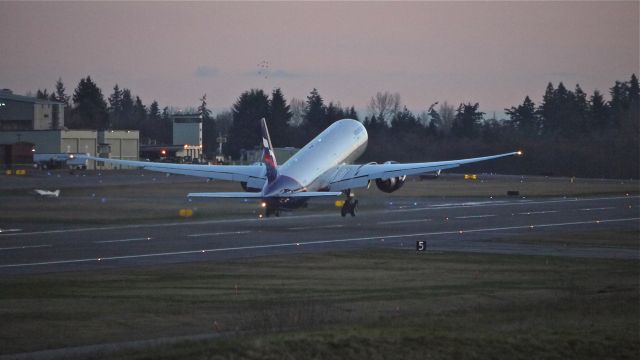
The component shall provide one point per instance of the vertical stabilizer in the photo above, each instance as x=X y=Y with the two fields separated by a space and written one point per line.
x=268 y=157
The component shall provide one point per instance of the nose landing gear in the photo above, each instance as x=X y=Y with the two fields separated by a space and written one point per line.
x=350 y=205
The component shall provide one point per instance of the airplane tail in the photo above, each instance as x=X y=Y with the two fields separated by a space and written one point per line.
x=56 y=193
x=268 y=157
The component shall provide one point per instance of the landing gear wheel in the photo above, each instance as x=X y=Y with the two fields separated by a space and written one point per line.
x=354 y=206
x=349 y=207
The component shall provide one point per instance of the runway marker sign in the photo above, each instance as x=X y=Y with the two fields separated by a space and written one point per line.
x=421 y=245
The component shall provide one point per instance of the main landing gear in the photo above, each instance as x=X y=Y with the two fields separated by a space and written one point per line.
x=275 y=212
x=350 y=205
x=268 y=210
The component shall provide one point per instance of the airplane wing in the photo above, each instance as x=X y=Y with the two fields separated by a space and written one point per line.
x=354 y=176
x=253 y=175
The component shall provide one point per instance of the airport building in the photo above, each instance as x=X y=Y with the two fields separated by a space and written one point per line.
x=19 y=112
x=187 y=133
x=120 y=144
x=32 y=128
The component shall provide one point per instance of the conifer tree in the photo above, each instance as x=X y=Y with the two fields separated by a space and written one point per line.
x=524 y=118
x=598 y=112
x=278 y=119
x=127 y=117
x=42 y=94
x=153 y=127
x=245 y=131
x=467 y=121
x=315 y=117
x=90 y=108
x=547 y=111
x=209 y=132
x=59 y=95
x=115 y=108
x=405 y=121
x=139 y=115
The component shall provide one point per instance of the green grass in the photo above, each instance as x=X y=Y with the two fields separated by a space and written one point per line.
x=359 y=304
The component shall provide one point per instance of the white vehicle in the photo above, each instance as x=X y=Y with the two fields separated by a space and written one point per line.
x=321 y=168
x=59 y=160
x=47 y=193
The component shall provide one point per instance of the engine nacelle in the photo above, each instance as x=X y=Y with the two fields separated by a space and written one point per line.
x=390 y=185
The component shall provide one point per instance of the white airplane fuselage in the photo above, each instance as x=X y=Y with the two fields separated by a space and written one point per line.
x=311 y=168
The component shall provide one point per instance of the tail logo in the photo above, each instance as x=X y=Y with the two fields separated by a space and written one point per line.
x=268 y=157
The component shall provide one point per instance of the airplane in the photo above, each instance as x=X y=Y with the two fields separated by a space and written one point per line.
x=47 y=193
x=322 y=168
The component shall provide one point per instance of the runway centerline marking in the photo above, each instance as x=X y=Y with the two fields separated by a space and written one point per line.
x=9 y=230
x=220 y=233
x=475 y=216
x=317 y=242
x=596 y=209
x=123 y=240
x=24 y=247
x=402 y=221
x=538 y=212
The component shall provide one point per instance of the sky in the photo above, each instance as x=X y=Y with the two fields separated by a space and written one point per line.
x=493 y=53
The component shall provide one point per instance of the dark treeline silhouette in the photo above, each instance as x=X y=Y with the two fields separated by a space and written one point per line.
x=568 y=134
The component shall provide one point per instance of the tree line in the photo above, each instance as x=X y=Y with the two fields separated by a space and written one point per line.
x=568 y=133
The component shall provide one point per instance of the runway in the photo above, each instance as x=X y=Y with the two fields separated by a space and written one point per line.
x=470 y=225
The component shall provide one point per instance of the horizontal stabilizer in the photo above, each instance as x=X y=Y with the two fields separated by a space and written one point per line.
x=240 y=195
x=304 y=194
x=257 y=195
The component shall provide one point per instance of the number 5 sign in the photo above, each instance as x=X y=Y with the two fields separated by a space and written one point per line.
x=421 y=245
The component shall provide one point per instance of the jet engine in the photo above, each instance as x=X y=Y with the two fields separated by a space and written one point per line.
x=390 y=185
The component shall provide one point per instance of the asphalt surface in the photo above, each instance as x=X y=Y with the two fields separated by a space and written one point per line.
x=467 y=225
x=470 y=225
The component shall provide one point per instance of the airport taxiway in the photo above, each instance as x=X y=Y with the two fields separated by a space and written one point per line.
x=469 y=225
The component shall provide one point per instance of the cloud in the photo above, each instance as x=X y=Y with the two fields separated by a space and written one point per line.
x=205 y=71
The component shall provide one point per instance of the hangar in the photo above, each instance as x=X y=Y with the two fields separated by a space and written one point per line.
x=116 y=144
x=38 y=126
x=19 y=112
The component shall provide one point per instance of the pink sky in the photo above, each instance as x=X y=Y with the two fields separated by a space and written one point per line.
x=494 y=53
